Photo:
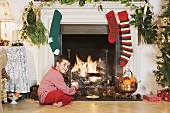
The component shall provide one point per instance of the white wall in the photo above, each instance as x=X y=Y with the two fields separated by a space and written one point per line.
x=146 y=53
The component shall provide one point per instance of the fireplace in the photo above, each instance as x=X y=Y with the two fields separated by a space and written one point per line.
x=79 y=23
x=83 y=43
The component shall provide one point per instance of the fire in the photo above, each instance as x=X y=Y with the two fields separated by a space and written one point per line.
x=85 y=67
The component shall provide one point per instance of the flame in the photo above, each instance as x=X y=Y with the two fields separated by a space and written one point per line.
x=85 y=67
x=92 y=66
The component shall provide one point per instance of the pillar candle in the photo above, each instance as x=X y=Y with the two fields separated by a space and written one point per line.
x=15 y=34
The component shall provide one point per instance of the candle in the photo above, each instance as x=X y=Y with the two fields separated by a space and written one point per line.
x=15 y=34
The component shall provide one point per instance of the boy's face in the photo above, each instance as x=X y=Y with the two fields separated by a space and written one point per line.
x=63 y=66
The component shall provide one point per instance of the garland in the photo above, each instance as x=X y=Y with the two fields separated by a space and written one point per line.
x=34 y=29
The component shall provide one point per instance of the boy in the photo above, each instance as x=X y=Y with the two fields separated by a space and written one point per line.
x=52 y=89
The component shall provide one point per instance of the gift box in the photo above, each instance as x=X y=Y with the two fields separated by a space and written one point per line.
x=167 y=96
x=152 y=98
x=161 y=93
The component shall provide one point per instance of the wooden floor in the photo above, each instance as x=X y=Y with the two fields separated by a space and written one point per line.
x=31 y=106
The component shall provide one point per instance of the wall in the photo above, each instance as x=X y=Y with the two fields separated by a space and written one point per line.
x=39 y=61
x=148 y=59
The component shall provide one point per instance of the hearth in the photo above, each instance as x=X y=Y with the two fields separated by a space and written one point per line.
x=88 y=45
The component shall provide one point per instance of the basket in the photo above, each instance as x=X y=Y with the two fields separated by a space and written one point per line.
x=130 y=88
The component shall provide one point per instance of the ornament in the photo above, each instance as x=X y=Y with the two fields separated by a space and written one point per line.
x=159 y=67
x=163 y=38
x=158 y=78
x=168 y=38
x=164 y=21
x=163 y=85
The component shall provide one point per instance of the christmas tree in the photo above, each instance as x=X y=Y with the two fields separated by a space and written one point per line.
x=163 y=69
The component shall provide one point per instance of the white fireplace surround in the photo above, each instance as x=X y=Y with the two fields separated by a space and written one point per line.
x=74 y=14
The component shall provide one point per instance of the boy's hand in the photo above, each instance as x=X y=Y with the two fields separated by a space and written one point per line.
x=75 y=84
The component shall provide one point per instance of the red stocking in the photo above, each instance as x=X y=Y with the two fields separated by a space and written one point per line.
x=113 y=26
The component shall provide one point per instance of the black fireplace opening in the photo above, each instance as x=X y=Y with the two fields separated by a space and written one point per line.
x=83 y=40
x=96 y=46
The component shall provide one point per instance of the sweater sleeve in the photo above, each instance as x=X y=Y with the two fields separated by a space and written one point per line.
x=61 y=85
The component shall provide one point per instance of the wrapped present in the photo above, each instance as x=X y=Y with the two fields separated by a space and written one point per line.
x=161 y=93
x=152 y=98
x=167 y=96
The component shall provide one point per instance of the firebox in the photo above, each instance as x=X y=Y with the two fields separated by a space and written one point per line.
x=85 y=40
x=94 y=61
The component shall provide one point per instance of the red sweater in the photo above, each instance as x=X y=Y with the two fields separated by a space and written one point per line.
x=53 y=80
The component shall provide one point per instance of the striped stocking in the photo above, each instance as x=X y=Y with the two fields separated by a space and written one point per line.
x=126 y=42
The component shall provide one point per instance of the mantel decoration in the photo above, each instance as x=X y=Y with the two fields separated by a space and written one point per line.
x=34 y=29
x=143 y=19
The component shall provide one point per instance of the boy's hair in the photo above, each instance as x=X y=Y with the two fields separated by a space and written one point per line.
x=61 y=58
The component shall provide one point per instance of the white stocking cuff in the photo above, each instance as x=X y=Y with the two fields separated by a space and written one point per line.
x=56 y=52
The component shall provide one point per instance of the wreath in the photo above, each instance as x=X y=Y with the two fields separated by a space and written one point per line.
x=33 y=28
x=143 y=19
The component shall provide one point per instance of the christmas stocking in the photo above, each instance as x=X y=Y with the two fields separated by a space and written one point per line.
x=126 y=42
x=55 y=32
x=113 y=26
